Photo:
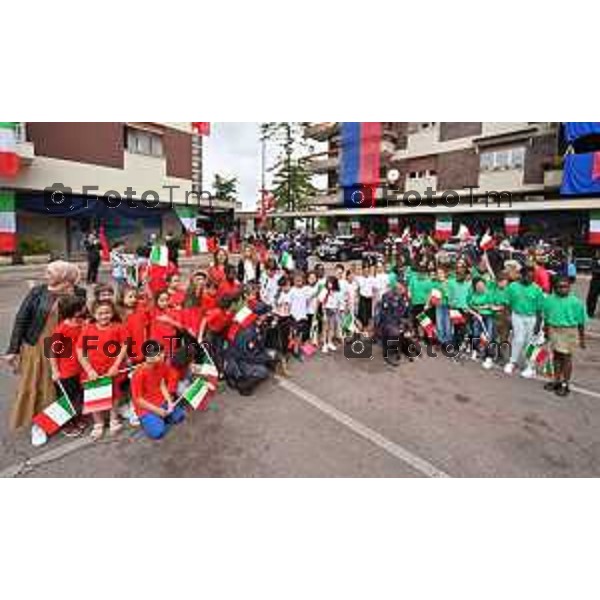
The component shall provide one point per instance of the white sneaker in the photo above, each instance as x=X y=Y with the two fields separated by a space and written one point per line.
x=332 y=347
x=528 y=373
x=474 y=355
x=38 y=436
x=509 y=368
x=134 y=420
x=488 y=363
x=325 y=349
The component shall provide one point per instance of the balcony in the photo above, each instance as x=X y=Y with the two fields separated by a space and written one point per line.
x=320 y=132
x=321 y=163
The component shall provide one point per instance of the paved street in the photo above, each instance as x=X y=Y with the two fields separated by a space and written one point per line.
x=339 y=418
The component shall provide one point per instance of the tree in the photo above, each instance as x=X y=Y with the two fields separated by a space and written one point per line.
x=290 y=177
x=225 y=188
x=292 y=185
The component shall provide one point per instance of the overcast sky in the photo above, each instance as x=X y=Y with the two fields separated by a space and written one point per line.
x=233 y=150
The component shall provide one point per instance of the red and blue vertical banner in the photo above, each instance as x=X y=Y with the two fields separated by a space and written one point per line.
x=581 y=174
x=360 y=163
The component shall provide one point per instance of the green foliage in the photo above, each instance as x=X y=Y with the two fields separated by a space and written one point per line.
x=292 y=185
x=33 y=246
x=225 y=188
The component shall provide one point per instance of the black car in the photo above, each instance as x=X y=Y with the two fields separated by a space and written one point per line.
x=342 y=248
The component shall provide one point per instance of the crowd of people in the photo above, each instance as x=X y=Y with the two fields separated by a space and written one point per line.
x=237 y=324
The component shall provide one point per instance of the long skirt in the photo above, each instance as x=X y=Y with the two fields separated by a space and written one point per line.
x=36 y=389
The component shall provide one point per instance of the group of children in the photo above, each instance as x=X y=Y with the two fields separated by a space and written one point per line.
x=134 y=334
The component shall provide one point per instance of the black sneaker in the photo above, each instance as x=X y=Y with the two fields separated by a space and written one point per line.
x=563 y=389
x=551 y=386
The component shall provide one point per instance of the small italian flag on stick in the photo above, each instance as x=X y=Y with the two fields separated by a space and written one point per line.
x=287 y=262
x=8 y=222
x=9 y=159
x=435 y=298
x=159 y=256
x=512 y=223
x=243 y=318
x=97 y=395
x=198 y=394
x=443 y=227
x=487 y=241
x=537 y=355
x=457 y=317
x=427 y=325
x=59 y=413
x=594 y=237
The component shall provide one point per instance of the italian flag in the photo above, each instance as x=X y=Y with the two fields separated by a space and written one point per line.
x=435 y=297
x=538 y=355
x=198 y=394
x=512 y=223
x=405 y=239
x=209 y=372
x=55 y=416
x=159 y=256
x=243 y=318
x=201 y=128
x=443 y=227
x=8 y=222
x=393 y=224
x=464 y=235
x=97 y=395
x=202 y=244
x=348 y=325
x=427 y=325
x=9 y=159
x=456 y=317
x=287 y=262
x=487 y=241
x=594 y=237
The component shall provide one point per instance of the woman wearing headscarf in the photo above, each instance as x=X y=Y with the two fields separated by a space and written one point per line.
x=33 y=325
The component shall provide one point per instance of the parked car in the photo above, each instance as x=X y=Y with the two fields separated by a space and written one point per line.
x=342 y=248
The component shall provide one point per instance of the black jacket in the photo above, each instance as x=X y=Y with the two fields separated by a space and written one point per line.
x=240 y=272
x=32 y=316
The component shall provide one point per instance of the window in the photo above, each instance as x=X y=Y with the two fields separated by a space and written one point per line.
x=144 y=142
x=503 y=159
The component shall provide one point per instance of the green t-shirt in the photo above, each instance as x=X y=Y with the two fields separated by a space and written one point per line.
x=525 y=299
x=458 y=293
x=564 y=311
x=420 y=286
x=500 y=295
x=442 y=286
x=482 y=302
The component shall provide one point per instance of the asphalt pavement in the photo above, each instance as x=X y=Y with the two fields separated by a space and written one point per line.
x=339 y=418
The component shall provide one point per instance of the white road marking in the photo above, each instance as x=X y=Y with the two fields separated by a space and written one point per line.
x=584 y=391
x=417 y=463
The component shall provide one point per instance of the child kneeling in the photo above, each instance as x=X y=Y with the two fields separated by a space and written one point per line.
x=152 y=400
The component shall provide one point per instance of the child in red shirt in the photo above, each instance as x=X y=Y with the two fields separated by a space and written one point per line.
x=101 y=350
x=165 y=323
x=229 y=286
x=135 y=320
x=152 y=399
x=64 y=365
x=176 y=291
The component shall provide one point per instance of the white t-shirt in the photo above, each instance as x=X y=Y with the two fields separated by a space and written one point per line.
x=334 y=301
x=366 y=286
x=249 y=271
x=313 y=299
x=382 y=283
x=298 y=298
x=282 y=304
x=269 y=288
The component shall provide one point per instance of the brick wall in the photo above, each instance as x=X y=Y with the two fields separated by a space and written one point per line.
x=453 y=130
x=458 y=169
x=92 y=143
x=540 y=153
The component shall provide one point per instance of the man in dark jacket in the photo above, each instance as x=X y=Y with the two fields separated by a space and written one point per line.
x=391 y=324
x=93 y=250
x=173 y=246
x=594 y=289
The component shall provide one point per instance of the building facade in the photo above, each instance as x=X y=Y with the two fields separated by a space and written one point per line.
x=158 y=162
x=480 y=173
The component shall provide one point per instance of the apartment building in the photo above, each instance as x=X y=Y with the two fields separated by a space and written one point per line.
x=480 y=173
x=159 y=162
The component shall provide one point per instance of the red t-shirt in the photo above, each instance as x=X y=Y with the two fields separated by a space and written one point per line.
x=164 y=332
x=145 y=383
x=218 y=320
x=97 y=343
x=217 y=274
x=228 y=288
x=208 y=302
x=177 y=298
x=541 y=276
x=135 y=326
x=68 y=366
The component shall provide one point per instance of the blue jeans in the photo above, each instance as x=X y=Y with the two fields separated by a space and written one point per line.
x=156 y=427
x=443 y=325
x=488 y=322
